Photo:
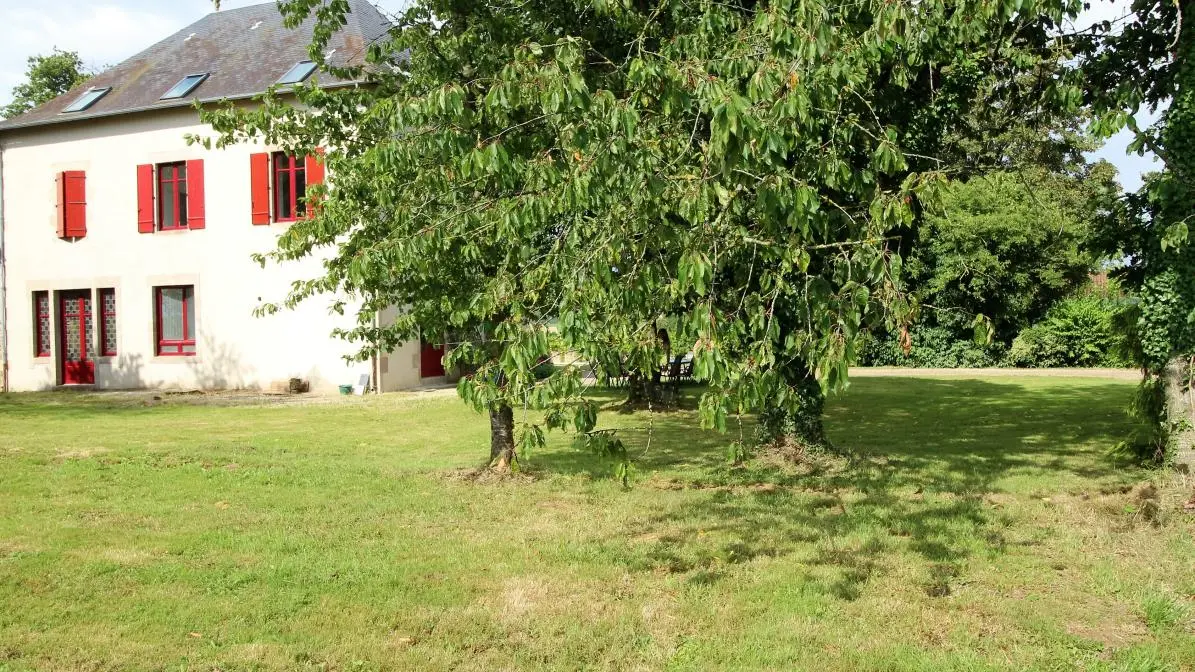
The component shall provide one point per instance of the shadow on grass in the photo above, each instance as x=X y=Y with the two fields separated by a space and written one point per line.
x=923 y=457
x=72 y=404
x=951 y=435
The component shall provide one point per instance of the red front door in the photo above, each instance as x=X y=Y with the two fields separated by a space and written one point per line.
x=431 y=360
x=74 y=309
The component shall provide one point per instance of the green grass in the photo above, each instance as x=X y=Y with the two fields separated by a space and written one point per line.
x=978 y=525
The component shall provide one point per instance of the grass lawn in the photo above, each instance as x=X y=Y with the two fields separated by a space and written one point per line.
x=979 y=525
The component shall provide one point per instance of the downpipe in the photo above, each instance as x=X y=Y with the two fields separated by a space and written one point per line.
x=3 y=286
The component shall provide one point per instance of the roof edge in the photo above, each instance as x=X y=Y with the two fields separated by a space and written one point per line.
x=58 y=120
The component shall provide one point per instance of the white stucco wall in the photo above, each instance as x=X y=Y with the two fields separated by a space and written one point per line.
x=398 y=370
x=235 y=349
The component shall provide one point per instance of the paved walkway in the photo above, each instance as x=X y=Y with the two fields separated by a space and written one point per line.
x=908 y=372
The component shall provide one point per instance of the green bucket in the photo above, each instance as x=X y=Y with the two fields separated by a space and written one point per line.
x=346 y=389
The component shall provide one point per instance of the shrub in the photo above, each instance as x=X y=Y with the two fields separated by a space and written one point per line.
x=1090 y=328
x=1037 y=347
x=933 y=347
x=1078 y=331
x=544 y=369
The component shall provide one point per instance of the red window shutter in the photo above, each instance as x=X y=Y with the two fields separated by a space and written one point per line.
x=145 y=198
x=60 y=192
x=314 y=173
x=74 y=188
x=315 y=168
x=259 y=181
x=195 y=200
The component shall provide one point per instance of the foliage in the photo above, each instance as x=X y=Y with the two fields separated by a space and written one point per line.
x=1151 y=436
x=776 y=426
x=736 y=167
x=544 y=369
x=1149 y=61
x=1037 y=346
x=46 y=78
x=932 y=348
x=1009 y=240
x=1078 y=331
x=1008 y=245
x=1085 y=329
x=1004 y=139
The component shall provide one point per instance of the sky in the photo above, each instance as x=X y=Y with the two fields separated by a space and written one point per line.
x=105 y=32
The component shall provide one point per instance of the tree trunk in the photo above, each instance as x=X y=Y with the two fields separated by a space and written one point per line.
x=635 y=389
x=502 y=438
x=802 y=429
x=643 y=391
x=1180 y=413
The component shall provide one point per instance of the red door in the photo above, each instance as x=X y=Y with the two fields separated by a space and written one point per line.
x=78 y=367
x=431 y=360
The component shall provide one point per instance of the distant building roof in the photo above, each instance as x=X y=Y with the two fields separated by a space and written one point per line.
x=242 y=51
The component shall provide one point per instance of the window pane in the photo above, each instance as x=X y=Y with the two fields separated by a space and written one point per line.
x=283 y=191
x=110 y=334
x=190 y=295
x=298 y=73
x=108 y=305
x=72 y=330
x=181 y=173
x=167 y=171
x=70 y=335
x=185 y=86
x=300 y=187
x=171 y=313
x=166 y=199
x=88 y=327
x=87 y=100
x=42 y=301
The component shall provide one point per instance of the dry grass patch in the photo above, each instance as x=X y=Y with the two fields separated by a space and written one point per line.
x=81 y=453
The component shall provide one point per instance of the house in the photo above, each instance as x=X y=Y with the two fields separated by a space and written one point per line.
x=127 y=252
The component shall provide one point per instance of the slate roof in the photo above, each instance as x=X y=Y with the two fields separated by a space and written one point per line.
x=243 y=61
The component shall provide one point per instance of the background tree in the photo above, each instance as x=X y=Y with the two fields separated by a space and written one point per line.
x=1009 y=238
x=738 y=168
x=1144 y=62
x=46 y=78
x=1008 y=245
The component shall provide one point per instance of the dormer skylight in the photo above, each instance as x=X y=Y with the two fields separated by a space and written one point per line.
x=185 y=86
x=301 y=71
x=88 y=99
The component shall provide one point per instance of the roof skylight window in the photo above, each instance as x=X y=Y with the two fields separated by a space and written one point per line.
x=187 y=85
x=87 y=99
x=302 y=70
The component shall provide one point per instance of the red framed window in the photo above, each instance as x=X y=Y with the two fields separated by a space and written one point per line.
x=41 y=324
x=108 y=322
x=174 y=320
x=290 y=187
x=172 y=196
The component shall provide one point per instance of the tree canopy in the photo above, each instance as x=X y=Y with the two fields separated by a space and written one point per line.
x=1008 y=245
x=46 y=78
x=738 y=168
